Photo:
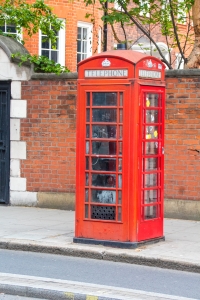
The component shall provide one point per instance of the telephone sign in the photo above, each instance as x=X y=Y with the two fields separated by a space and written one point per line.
x=120 y=147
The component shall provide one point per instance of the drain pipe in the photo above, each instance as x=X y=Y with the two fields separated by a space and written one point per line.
x=105 y=28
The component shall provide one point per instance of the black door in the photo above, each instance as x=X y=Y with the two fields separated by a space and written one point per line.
x=4 y=141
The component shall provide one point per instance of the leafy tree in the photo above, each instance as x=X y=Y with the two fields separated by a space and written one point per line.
x=168 y=17
x=194 y=58
x=31 y=17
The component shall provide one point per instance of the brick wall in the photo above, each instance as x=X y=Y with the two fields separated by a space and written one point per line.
x=182 y=135
x=50 y=128
x=71 y=12
x=49 y=131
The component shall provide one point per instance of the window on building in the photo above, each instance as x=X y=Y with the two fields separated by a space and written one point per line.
x=179 y=62
x=11 y=30
x=84 y=40
x=53 y=52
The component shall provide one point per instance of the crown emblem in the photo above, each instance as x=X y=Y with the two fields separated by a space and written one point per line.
x=106 y=63
x=149 y=63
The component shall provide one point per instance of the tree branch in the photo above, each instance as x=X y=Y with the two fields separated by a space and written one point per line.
x=175 y=31
x=145 y=32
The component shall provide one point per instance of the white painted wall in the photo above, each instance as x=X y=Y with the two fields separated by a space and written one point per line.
x=18 y=110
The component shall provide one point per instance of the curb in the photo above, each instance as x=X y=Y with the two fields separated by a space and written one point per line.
x=103 y=254
x=54 y=289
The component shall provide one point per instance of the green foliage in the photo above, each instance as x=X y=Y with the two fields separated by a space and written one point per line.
x=31 y=17
x=146 y=15
x=42 y=64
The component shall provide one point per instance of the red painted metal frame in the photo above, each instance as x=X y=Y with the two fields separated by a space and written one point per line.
x=151 y=228
x=132 y=227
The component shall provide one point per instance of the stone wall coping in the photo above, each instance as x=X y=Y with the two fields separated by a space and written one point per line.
x=52 y=76
x=11 y=46
x=182 y=73
x=74 y=75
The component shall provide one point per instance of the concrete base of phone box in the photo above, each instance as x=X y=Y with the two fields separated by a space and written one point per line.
x=117 y=244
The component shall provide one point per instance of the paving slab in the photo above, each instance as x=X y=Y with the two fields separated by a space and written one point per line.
x=52 y=231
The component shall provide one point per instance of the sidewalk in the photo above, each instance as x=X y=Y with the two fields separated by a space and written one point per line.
x=52 y=231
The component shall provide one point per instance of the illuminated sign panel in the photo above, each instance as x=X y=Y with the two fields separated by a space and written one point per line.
x=149 y=74
x=106 y=73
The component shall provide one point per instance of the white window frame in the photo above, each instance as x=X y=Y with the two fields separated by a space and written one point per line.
x=177 y=61
x=89 y=28
x=61 y=44
x=17 y=33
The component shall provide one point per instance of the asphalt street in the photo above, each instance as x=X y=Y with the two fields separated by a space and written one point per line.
x=121 y=275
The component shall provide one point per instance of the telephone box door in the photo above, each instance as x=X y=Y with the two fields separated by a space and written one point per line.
x=151 y=163
x=102 y=149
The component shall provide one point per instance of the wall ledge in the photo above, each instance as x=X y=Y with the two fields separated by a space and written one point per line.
x=52 y=76
x=182 y=73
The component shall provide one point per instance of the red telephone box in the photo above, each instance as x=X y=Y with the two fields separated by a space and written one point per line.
x=120 y=139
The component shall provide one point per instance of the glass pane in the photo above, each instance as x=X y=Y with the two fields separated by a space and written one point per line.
x=87 y=115
x=105 y=180
x=104 y=164
x=87 y=131
x=78 y=58
x=119 y=197
x=120 y=164
x=152 y=116
x=150 y=180
x=54 y=56
x=120 y=132
x=150 y=212
x=86 y=210
x=121 y=115
x=121 y=99
x=106 y=148
x=119 y=213
x=11 y=28
x=119 y=181
x=86 y=179
x=151 y=132
x=79 y=33
x=152 y=100
x=45 y=43
x=104 y=115
x=3 y=28
x=85 y=33
x=150 y=196
x=104 y=99
x=84 y=47
x=120 y=148
x=78 y=46
x=103 y=196
x=87 y=148
x=86 y=195
x=87 y=163
x=150 y=148
x=46 y=53
x=104 y=131
x=88 y=99
x=150 y=164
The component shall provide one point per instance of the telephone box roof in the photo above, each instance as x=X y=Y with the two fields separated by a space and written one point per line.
x=128 y=55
